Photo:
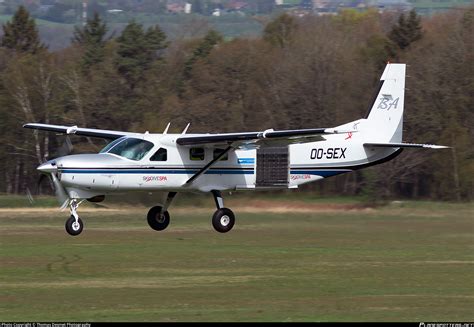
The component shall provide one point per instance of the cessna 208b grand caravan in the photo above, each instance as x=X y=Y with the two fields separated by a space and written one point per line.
x=232 y=161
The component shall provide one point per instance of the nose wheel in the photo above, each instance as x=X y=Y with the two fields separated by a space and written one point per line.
x=74 y=224
x=74 y=227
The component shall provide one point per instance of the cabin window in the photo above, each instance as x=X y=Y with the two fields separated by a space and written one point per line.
x=160 y=155
x=196 y=153
x=217 y=152
x=132 y=148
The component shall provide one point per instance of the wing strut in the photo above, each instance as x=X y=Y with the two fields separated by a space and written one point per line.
x=206 y=167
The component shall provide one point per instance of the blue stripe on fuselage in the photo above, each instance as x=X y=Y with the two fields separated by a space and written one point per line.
x=152 y=171
x=228 y=171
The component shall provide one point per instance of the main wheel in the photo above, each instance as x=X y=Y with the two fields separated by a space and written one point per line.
x=73 y=228
x=223 y=220
x=158 y=220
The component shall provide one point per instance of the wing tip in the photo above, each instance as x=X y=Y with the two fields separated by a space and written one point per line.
x=434 y=146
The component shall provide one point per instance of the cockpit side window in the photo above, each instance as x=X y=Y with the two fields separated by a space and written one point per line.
x=131 y=148
x=160 y=155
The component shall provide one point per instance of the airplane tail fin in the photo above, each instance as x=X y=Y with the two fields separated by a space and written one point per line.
x=384 y=121
x=383 y=125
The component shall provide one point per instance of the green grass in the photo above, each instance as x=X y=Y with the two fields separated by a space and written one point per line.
x=205 y=199
x=21 y=201
x=407 y=261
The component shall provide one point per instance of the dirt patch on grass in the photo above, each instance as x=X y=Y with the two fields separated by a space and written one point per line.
x=296 y=206
x=32 y=210
x=240 y=206
x=143 y=282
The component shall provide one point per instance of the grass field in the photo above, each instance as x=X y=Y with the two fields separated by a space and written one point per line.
x=296 y=262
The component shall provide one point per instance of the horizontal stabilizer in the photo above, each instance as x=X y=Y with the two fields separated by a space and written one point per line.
x=406 y=145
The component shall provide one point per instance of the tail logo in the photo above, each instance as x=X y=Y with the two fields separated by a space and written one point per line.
x=387 y=102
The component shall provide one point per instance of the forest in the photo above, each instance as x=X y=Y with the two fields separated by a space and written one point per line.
x=303 y=72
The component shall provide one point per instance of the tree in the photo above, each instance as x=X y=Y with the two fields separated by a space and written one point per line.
x=280 y=32
x=441 y=91
x=92 y=38
x=407 y=30
x=378 y=50
x=203 y=50
x=27 y=94
x=313 y=71
x=156 y=39
x=21 y=33
x=137 y=50
x=226 y=91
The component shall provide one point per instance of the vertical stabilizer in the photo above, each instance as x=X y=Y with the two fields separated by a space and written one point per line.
x=385 y=118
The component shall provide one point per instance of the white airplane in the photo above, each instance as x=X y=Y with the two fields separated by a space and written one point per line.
x=232 y=161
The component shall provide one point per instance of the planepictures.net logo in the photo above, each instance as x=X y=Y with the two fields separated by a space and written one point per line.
x=445 y=324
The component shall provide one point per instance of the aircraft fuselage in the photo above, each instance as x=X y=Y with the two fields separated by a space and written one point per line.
x=295 y=164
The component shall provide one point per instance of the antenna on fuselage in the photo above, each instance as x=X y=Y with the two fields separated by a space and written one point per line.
x=166 y=129
x=185 y=129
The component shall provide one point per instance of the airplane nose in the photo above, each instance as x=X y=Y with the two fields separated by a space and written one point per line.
x=48 y=167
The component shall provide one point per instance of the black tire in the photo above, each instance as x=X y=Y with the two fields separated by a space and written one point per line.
x=223 y=220
x=71 y=227
x=158 y=220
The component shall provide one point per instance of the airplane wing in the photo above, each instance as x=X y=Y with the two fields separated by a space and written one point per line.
x=90 y=132
x=254 y=139
x=406 y=145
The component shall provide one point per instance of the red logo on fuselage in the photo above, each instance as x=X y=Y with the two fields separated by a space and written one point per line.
x=155 y=178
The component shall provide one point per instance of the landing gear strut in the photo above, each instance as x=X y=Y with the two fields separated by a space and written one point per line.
x=158 y=217
x=74 y=224
x=223 y=219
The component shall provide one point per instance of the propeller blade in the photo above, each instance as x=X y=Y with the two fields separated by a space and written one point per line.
x=61 y=194
x=50 y=168
x=29 y=196
x=37 y=189
x=66 y=148
x=38 y=184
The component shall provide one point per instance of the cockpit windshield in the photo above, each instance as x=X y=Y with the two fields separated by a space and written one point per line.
x=130 y=148
x=111 y=144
